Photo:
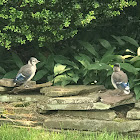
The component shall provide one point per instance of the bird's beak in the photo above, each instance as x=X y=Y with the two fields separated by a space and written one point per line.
x=38 y=61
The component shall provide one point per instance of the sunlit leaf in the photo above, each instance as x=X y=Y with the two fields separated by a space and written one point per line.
x=126 y=56
x=58 y=69
x=138 y=51
x=128 y=50
x=62 y=80
x=136 y=58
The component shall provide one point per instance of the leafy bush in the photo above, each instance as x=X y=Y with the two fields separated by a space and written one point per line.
x=92 y=63
x=42 y=23
x=84 y=63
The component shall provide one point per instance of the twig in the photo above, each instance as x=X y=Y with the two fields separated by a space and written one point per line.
x=33 y=87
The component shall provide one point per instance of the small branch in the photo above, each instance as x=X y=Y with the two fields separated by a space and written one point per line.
x=33 y=87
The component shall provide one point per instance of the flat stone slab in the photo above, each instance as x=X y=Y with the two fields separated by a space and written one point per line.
x=73 y=100
x=19 y=122
x=7 y=82
x=133 y=114
x=84 y=106
x=137 y=105
x=70 y=90
x=96 y=114
x=117 y=98
x=91 y=125
x=3 y=89
x=91 y=101
x=19 y=98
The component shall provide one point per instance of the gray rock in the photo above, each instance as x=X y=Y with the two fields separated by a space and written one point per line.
x=3 y=89
x=83 y=106
x=73 y=100
x=100 y=101
x=116 y=98
x=137 y=105
x=91 y=125
x=19 y=98
x=7 y=82
x=96 y=114
x=133 y=114
x=57 y=91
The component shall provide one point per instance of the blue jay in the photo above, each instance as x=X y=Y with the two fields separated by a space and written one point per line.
x=119 y=79
x=26 y=72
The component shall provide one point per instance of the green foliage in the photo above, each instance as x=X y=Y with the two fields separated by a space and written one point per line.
x=46 y=22
x=88 y=62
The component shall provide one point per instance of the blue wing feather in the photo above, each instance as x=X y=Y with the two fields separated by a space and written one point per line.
x=122 y=85
x=20 y=78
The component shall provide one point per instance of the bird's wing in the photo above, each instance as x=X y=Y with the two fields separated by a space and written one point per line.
x=120 y=77
x=25 y=70
x=23 y=74
x=120 y=80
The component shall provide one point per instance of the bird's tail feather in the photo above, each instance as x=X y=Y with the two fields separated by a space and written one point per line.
x=127 y=90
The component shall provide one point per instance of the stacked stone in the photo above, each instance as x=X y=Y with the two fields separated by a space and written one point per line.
x=80 y=107
x=85 y=108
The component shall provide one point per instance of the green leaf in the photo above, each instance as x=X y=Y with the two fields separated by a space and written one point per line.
x=136 y=58
x=130 y=40
x=119 y=40
x=84 y=62
x=2 y=70
x=11 y=74
x=62 y=80
x=129 y=68
x=40 y=65
x=89 y=47
x=105 y=43
x=40 y=74
x=99 y=66
x=42 y=57
x=64 y=60
x=49 y=64
x=85 y=57
x=58 y=69
x=50 y=77
x=108 y=58
x=109 y=52
x=17 y=60
x=137 y=91
x=74 y=76
x=109 y=72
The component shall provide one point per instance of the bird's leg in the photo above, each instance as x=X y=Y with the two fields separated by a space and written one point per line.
x=26 y=84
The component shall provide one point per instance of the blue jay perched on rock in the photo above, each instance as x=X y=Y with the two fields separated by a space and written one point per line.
x=26 y=72
x=119 y=79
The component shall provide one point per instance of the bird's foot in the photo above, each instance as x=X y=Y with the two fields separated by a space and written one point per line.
x=26 y=86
